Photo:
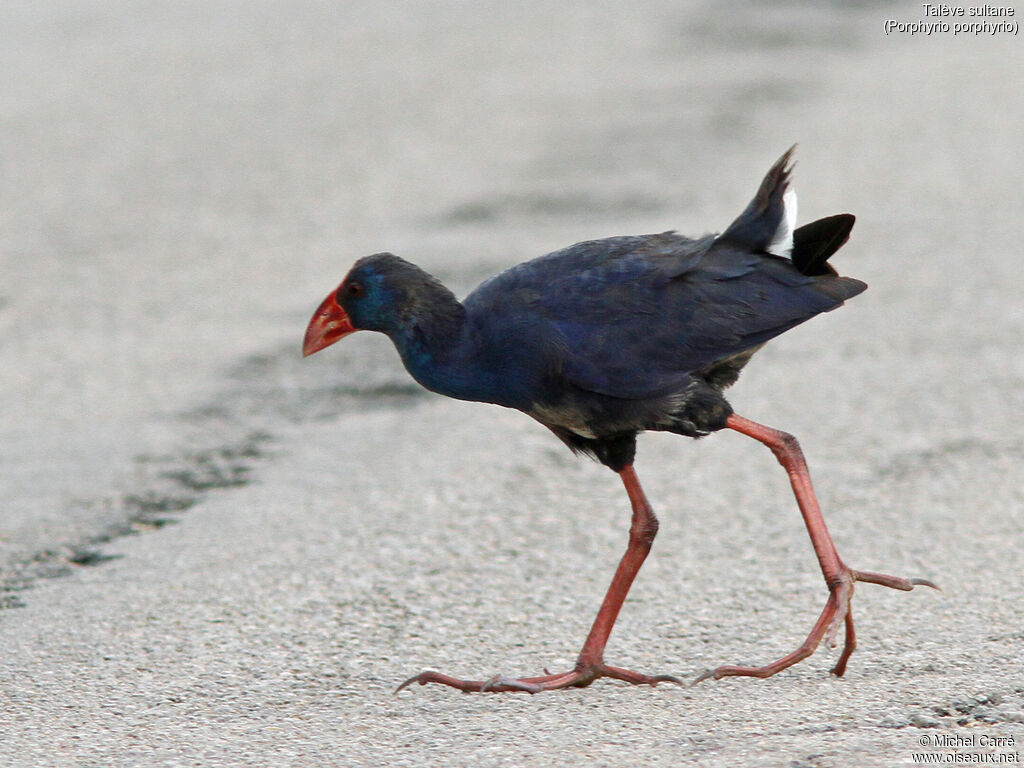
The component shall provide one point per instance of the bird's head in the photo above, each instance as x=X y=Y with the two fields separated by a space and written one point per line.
x=382 y=293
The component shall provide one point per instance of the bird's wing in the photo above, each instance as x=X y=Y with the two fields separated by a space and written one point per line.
x=635 y=317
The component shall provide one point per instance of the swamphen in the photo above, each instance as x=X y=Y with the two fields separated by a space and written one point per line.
x=607 y=338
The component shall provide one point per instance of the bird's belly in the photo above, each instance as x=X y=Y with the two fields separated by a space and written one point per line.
x=564 y=417
x=695 y=410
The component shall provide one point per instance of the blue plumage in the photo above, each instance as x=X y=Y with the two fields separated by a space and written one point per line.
x=634 y=317
x=607 y=338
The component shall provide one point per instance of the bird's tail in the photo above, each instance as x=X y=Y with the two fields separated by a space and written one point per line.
x=814 y=243
x=768 y=225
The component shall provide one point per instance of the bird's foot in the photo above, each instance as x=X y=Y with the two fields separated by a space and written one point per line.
x=580 y=677
x=836 y=613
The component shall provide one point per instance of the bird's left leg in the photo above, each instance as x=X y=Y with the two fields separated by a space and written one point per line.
x=838 y=576
x=590 y=664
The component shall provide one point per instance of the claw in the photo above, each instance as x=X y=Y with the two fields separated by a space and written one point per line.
x=701 y=677
x=405 y=684
x=669 y=679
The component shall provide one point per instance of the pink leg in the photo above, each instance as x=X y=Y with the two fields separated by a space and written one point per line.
x=590 y=663
x=839 y=578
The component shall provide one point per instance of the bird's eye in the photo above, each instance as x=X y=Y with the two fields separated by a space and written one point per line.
x=351 y=291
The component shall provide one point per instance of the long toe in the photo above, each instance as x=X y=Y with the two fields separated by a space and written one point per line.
x=638 y=678
x=500 y=683
x=577 y=678
x=893 y=582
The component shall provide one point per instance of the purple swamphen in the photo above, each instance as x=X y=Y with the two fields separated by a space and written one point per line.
x=607 y=338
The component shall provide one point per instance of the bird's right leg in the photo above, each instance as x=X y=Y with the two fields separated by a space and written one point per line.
x=839 y=578
x=590 y=664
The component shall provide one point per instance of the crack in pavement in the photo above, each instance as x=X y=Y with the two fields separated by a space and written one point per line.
x=221 y=445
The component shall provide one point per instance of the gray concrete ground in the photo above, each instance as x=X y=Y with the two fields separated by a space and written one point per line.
x=183 y=182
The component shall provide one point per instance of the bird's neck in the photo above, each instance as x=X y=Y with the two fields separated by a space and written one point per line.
x=435 y=341
x=446 y=352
